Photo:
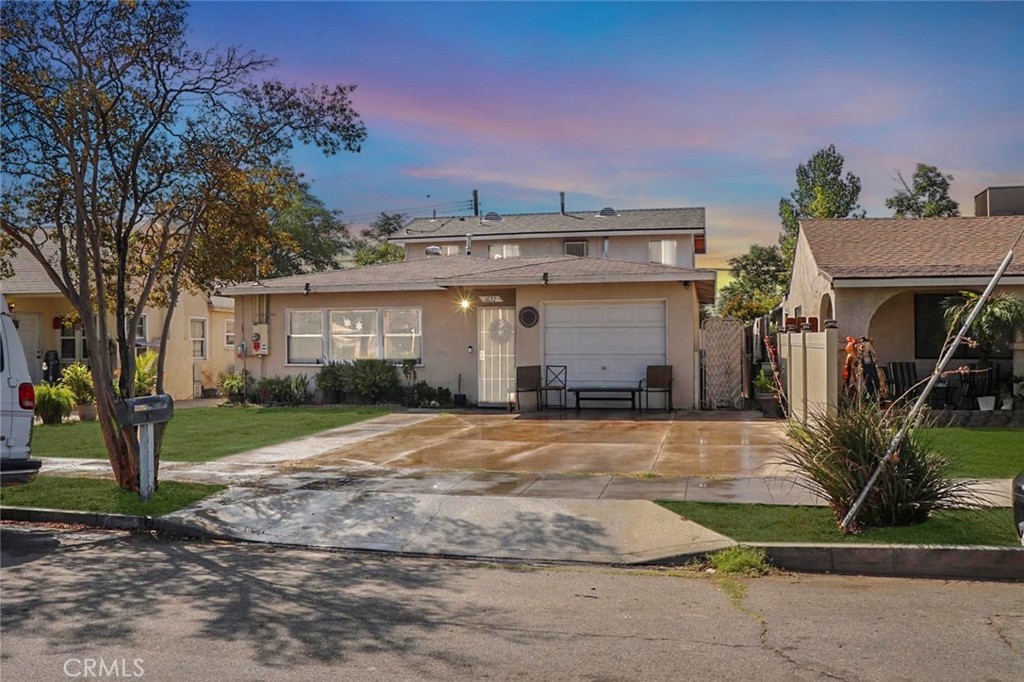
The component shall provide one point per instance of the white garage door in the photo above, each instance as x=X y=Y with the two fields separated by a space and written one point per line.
x=604 y=344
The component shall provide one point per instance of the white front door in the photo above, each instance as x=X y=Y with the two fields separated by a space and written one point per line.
x=497 y=350
x=28 y=330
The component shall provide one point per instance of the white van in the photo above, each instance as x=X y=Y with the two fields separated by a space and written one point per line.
x=17 y=405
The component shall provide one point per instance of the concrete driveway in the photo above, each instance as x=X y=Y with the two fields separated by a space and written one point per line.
x=671 y=445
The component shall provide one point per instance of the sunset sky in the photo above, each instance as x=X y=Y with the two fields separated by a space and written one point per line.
x=644 y=105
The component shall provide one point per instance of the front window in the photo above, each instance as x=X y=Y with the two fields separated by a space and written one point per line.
x=197 y=333
x=663 y=251
x=403 y=334
x=72 y=343
x=930 y=331
x=142 y=330
x=353 y=334
x=499 y=251
x=305 y=337
x=229 y=333
x=575 y=248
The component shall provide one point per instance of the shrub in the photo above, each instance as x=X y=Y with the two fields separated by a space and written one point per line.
x=334 y=380
x=274 y=391
x=77 y=378
x=422 y=394
x=145 y=373
x=835 y=455
x=235 y=385
x=53 y=402
x=375 y=381
x=300 y=393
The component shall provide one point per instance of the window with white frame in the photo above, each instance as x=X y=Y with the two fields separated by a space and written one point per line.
x=305 y=332
x=72 y=342
x=450 y=250
x=663 y=251
x=575 y=248
x=229 y=333
x=499 y=251
x=142 y=329
x=403 y=334
x=197 y=333
x=353 y=335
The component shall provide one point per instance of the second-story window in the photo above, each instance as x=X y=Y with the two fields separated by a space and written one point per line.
x=575 y=248
x=499 y=251
x=663 y=251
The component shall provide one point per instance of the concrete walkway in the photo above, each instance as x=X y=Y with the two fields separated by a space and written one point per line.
x=313 y=492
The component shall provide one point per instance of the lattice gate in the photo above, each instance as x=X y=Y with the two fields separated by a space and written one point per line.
x=725 y=362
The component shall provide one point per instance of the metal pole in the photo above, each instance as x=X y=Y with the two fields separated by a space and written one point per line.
x=146 y=462
x=922 y=399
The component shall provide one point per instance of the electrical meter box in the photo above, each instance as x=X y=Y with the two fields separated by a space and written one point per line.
x=260 y=340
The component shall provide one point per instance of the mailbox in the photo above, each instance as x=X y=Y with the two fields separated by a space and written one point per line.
x=147 y=409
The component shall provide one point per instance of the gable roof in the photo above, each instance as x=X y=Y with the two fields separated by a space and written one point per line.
x=553 y=224
x=888 y=248
x=30 y=279
x=425 y=274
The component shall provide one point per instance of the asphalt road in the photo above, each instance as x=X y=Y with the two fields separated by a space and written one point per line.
x=94 y=605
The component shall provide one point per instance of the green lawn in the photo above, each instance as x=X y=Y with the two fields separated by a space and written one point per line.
x=203 y=434
x=769 y=523
x=980 y=452
x=103 y=495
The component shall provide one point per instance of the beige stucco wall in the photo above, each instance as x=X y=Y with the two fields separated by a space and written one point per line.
x=448 y=331
x=807 y=286
x=625 y=247
x=180 y=369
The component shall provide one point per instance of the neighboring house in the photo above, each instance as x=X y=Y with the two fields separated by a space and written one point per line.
x=886 y=278
x=201 y=343
x=670 y=236
x=477 y=319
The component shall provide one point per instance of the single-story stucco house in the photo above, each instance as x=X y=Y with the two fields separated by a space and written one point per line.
x=886 y=278
x=475 y=318
x=199 y=348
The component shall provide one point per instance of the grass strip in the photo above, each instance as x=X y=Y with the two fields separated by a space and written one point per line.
x=776 y=523
x=104 y=496
x=979 y=452
x=202 y=434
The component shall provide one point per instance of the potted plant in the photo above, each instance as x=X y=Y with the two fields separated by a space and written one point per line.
x=459 y=398
x=1002 y=316
x=767 y=395
x=77 y=378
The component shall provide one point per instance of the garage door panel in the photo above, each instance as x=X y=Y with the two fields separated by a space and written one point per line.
x=605 y=344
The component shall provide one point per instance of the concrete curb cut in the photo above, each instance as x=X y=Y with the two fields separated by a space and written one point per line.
x=107 y=521
x=896 y=561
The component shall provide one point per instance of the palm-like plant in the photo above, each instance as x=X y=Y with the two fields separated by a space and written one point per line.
x=1002 y=315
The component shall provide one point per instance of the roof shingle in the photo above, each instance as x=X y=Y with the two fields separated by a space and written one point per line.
x=862 y=248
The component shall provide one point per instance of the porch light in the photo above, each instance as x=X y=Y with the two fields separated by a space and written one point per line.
x=464 y=304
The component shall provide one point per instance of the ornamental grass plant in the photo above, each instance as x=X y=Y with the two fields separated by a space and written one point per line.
x=834 y=455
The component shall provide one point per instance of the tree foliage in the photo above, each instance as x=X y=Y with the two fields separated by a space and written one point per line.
x=999 y=319
x=928 y=197
x=758 y=285
x=374 y=247
x=821 y=192
x=147 y=166
x=312 y=236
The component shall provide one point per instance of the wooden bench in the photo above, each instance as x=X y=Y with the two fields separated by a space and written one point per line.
x=580 y=392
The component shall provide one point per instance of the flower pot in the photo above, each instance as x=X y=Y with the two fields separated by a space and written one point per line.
x=769 y=404
x=986 y=403
x=87 y=413
x=1007 y=403
x=459 y=399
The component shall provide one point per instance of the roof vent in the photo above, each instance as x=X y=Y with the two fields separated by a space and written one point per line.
x=607 y=212
x=492 y=216
x=432 y=251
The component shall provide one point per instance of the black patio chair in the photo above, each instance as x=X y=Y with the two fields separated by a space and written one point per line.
x=904 y=379
x=658 y=380
x=556 y=379
x=528 y=381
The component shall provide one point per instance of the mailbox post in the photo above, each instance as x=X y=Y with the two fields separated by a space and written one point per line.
x=144 y=412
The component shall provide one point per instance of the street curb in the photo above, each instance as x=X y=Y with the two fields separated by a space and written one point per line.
x=106 y=521
x=900 y=561
x=896 y=561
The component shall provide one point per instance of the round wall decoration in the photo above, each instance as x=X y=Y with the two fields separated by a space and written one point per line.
x=528 y=316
